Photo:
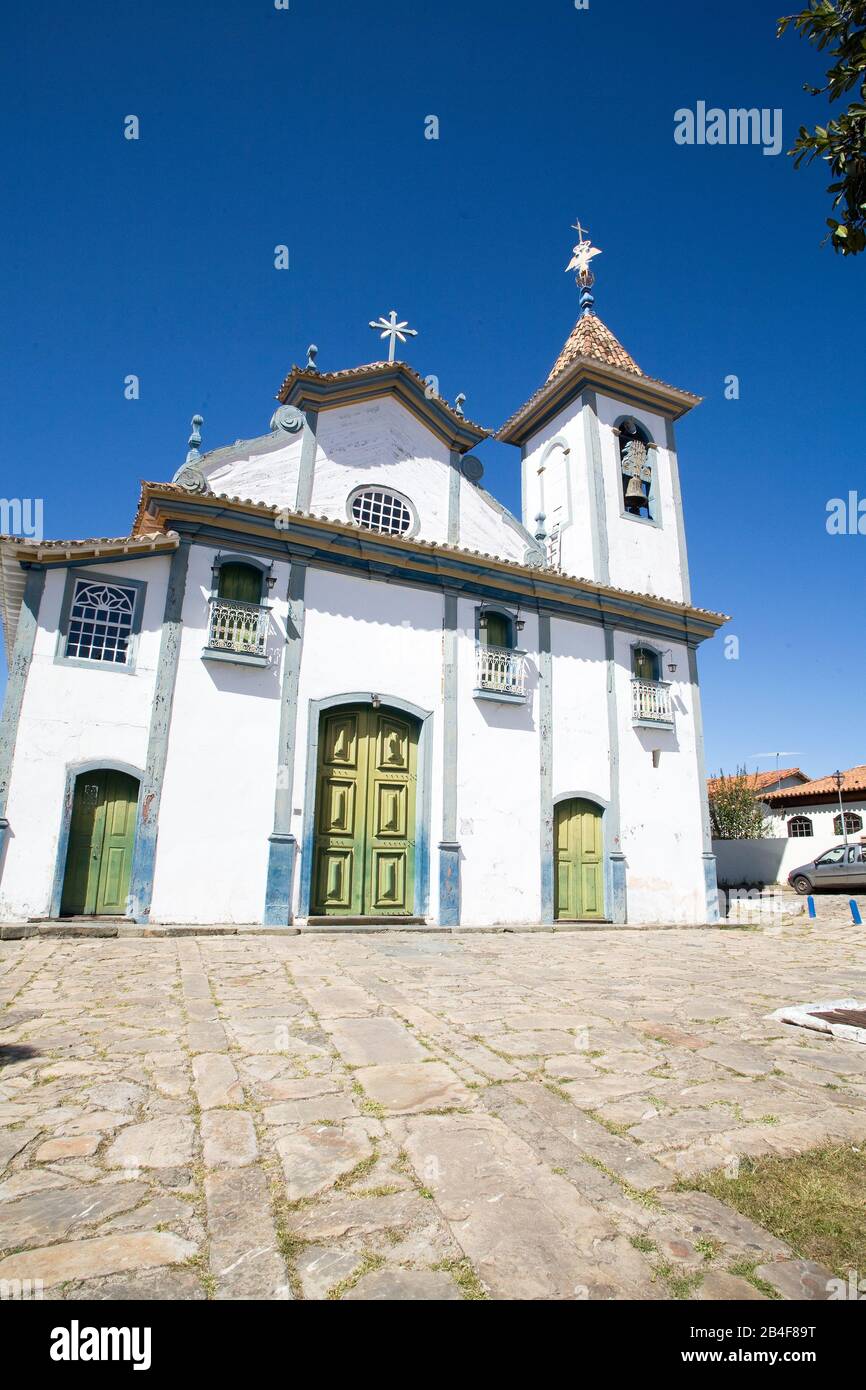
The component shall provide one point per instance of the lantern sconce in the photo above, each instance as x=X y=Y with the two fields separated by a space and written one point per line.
x=376 y=701
x=672 y=665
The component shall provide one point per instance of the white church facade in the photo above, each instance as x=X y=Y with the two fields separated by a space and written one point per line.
x=328 y=679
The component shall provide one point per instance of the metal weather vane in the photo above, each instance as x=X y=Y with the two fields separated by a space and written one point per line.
x=393 y=329
x=581 y=256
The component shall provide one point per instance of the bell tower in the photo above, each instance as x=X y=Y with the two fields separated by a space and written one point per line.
x=600 y=481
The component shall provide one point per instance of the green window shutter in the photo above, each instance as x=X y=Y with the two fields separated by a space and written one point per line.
x=241 y=583
x=498 y=630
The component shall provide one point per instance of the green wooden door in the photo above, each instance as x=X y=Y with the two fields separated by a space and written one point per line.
x=579 y=861
x=364 y=854
x=99 y=853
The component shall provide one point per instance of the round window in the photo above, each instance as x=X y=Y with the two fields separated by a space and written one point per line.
x=381 y=511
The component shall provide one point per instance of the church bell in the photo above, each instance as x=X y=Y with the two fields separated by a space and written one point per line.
x=635 y=497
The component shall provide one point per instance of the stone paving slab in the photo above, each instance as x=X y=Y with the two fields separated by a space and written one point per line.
x=419 y=1116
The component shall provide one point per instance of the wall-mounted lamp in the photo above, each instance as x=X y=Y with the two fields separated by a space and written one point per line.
x=672 y=665
x=376 y=701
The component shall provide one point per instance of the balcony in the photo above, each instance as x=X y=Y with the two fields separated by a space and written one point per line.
x=500 y=674
x=651 y=704
x=237 y=632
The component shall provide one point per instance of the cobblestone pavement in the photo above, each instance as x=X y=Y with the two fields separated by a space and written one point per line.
x=401 y=1116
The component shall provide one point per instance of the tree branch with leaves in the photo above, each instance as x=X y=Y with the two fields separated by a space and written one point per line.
x=840 y=27
x=736 y=812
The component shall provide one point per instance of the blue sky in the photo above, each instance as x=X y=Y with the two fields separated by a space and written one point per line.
x=305 y=127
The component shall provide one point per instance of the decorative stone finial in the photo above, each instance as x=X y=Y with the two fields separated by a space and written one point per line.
x=458 y=404
x=540 y=532
x=190 y=474
x=195 y=439
x=312 y=354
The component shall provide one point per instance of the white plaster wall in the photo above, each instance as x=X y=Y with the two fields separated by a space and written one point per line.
x=364 y=636
x=258 y=470
x=487 y=526
x=770 y=860
x=822 y=816
x=73 y=714
x=562 y=490
x=581 y=753
x=382 y=443
x=643 y=557
x=660 y=808
x=218 y=795
x=498 y=791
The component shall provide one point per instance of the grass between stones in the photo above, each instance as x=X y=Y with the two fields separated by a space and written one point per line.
x=815 y=1202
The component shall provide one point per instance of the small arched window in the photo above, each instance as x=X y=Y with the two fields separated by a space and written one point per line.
x=799 y=828
x=635 y=461
x=645 y=664
x=853 y=824
x=239 y=583
x=382 y=511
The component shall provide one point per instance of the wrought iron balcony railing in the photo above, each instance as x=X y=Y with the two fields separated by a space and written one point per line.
x=237 y=627
x=651 y=702
x=500 y=671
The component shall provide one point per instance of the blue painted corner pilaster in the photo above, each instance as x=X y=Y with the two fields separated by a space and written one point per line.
x=449 y=884
x=711 y=885
x=281 y=872
x=618 y=897
x=147 y=822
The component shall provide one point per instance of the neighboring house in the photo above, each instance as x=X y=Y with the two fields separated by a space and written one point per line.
x=328 y=676
x=763 y=781
x=810 y=812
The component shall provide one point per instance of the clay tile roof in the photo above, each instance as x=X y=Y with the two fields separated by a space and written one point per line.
x=853 y=780
x=759 y=780
x=591 y=338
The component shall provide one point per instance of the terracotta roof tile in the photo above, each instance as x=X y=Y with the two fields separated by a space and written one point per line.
x=759 y=780
x=591 y=338
x=853 y=780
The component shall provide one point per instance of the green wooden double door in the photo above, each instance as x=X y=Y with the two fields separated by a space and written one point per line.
x=579 y=878
x=364 y=852
x=99 y=853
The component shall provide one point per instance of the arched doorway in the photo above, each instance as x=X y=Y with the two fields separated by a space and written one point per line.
x=99 y=849
x=579 y=855
x=364 y=837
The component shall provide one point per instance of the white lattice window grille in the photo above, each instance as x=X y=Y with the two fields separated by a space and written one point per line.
x=381 y=511
x=651 y=702
x=500 y=670
x=100 y=622
x=238 y=627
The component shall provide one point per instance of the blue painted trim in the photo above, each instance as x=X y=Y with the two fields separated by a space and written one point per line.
x=307 y=462
x=454 y=478
x=335 y=551
x=95 y=577
x=545 y=755
x=147 y=820
x=617 y=910
x=670 y=441
x=598 y=502
x=282 y=850
x=73 y=772
x=422 y=795
x=236 y=658
x=711 y=885
x=449 y=849
x=25 y=637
